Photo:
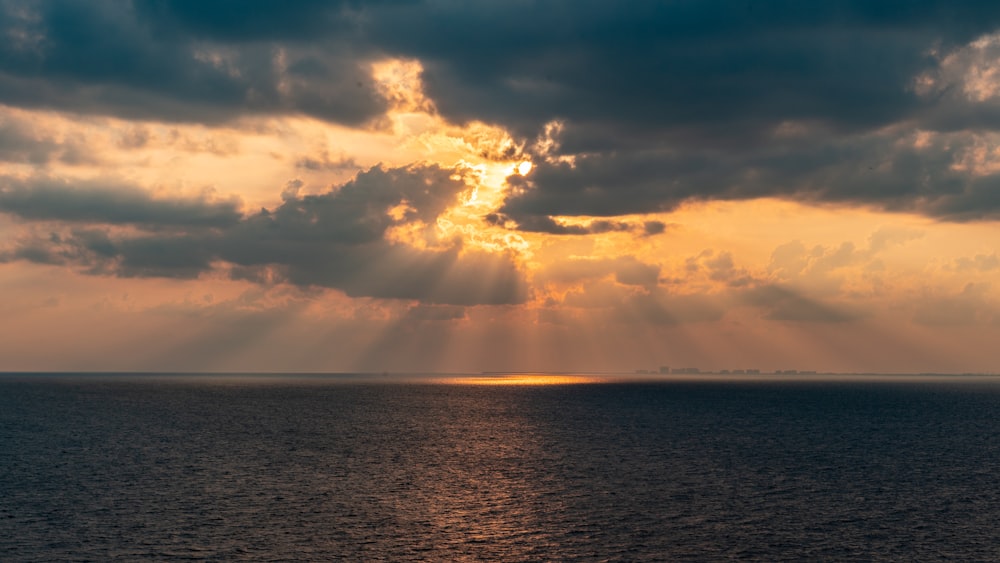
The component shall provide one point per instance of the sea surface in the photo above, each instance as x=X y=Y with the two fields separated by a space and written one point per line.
x=218 y=468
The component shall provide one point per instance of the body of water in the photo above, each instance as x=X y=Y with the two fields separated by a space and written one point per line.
x=240 y=468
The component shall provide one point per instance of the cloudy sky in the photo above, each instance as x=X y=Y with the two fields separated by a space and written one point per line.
x=499 y=185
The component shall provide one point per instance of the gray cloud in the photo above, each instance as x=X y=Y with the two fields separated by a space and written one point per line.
x=546 y=224
x=629 y=271
x=336 y=239
x=249 y=20
x=654 y=227
x=435 y=313
x=707 y=70
x=883 y=170
x=97 y=251
x=651 y=304
x=662 y=308
x=786 y=304
x=324 y=162
x=970 y=306
x=979 y=263
x=169 y=61
x=109 y=202
x=659 y=104
x=17 y=144
x=887 y=237
x=22 y=143
x=719 y=267
x=698 y=70
x=667 y=103
x=626 y=270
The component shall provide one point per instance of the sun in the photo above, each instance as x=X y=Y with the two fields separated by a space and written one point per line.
x=524 y=168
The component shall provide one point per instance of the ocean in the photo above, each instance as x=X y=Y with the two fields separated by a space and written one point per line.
x=270 y=468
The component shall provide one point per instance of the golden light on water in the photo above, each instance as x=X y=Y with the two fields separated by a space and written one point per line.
x=522 y=379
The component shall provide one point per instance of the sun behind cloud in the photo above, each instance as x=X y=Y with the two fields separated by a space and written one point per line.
x=385 y=198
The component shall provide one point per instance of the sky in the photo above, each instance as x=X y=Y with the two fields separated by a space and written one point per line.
x=408 y=185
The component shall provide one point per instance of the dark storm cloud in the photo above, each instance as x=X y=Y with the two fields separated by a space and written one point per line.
x=615 y=73
x=616 y=184
x=884 y=170
x=717 y=67
x=95 y=251
x=336 y=239
x=357 y=212
x=249 y=20
x=183 y=257
x=156 y=60
x=109 y=202
x=662 y=103
x=659 y=103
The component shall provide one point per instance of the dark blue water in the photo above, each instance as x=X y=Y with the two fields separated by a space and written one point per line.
x=240 y=469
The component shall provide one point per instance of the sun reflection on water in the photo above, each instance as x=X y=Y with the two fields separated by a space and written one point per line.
x=522 y=379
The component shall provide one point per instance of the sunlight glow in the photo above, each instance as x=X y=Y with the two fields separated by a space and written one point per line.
x=522 y=379
x=737 y=283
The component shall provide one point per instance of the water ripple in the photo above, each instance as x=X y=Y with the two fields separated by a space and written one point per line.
x=166 y=470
